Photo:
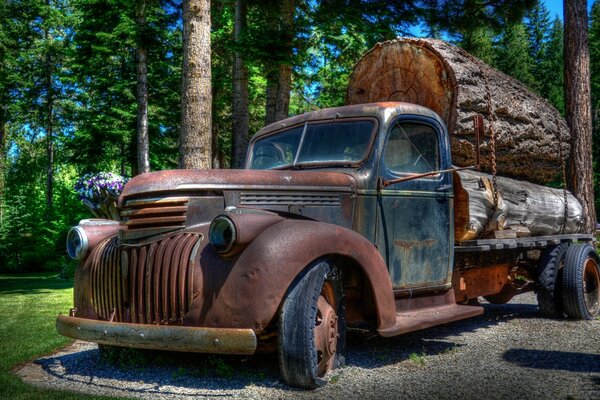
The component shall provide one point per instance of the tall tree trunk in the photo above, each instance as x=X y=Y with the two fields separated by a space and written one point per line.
x=279 y=79
x=578 y=107
x=195 y=147
x=240 y=115
x=143 y=150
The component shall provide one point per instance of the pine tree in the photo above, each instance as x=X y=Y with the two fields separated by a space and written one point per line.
x=538 y=24
x=552 y=86
x=513 y=54
x=479 y=42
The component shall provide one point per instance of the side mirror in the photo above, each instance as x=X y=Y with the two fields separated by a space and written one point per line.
x=479 y=131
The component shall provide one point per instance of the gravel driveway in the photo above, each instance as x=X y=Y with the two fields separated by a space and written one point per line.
x=509 y=352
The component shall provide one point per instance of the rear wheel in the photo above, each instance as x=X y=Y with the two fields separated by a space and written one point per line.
x=581 y=282
x=312 y=327
x=549 y=281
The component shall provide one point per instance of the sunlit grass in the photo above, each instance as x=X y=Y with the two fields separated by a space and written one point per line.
x=29 y=305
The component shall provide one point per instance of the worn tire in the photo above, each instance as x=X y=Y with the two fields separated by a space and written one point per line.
x=312 y=334
x=549 y=281
x=581 y=282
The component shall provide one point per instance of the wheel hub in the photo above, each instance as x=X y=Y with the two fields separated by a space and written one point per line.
x=326 y=334
x=591 y=287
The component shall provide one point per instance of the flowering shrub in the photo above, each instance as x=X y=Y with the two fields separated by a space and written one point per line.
x=97 y=186
x=100 y=193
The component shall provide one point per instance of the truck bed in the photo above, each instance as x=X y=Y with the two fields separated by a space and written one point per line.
x=539 y=242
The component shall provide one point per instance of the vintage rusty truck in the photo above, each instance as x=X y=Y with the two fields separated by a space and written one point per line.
x=342 y=219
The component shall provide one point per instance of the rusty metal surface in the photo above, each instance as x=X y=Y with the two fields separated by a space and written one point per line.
x=246 y=291
x=407 y=302
x=415 y=225
x=194 y=181
x=474 y=282
x=425 y=318
x=160 y=337
x=249 y=225
x=383 y=111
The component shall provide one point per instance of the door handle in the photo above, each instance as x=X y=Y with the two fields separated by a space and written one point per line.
x=444 y=188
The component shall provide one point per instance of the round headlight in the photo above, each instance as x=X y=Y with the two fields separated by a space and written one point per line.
x=77 y=243
x=222 y=234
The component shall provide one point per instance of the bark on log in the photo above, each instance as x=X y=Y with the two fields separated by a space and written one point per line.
x=457 y=86
x=523 y=207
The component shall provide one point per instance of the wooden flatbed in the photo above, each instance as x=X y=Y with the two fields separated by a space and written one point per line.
x=535 y=242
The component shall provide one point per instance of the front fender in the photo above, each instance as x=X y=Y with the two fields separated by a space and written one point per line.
x=250 y=291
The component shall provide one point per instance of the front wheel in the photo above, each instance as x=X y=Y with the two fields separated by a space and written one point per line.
x=312 y=327
x=581 y=282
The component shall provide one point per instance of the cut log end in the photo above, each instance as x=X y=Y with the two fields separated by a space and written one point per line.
x=421 y=78
x=456 y=85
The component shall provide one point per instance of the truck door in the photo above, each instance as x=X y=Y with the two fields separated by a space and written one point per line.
x=415 y=222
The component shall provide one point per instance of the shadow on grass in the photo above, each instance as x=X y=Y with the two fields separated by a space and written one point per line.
x=32 y=283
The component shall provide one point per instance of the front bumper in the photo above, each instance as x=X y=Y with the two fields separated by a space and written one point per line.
x=159 y=337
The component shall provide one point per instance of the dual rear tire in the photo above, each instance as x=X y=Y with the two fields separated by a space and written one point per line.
x=568 y=282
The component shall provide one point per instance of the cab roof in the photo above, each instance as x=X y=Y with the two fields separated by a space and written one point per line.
x=383 y=111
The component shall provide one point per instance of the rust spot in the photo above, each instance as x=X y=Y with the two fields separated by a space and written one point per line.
x=409 y=244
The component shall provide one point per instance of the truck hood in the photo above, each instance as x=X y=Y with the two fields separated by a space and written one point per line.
x=182 y=180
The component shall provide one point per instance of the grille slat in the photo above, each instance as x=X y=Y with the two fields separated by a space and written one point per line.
x=174 y=309
x=133 y=280
x=140 y=278
x=150 y=262
x=158 y=267
x=155 y=213
x=289 y=199
x=182 y=275
x=112 y=287
x=167 y=265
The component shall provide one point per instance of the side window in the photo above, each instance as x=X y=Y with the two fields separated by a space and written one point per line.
x=412 y=148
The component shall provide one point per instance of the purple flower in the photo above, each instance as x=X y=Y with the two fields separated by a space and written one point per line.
x=99 y=186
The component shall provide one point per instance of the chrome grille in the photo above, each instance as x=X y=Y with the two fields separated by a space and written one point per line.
x=149 y=284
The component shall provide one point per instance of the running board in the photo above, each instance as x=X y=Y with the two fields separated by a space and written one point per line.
x=428 y=317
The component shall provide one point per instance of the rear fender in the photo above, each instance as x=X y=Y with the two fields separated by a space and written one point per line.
x=254 y=286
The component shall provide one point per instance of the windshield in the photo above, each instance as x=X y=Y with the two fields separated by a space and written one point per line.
x=339 y=142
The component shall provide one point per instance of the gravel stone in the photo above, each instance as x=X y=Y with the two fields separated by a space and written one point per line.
x=509 y=352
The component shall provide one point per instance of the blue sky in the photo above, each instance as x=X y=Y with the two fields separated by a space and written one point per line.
x=556 y=7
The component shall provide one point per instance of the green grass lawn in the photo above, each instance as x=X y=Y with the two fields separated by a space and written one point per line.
x=29 y=304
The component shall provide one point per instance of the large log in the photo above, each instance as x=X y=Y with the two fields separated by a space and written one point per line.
x=524 y=208
x=457 y=86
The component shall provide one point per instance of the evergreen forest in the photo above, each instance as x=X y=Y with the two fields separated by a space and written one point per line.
x=69 y=75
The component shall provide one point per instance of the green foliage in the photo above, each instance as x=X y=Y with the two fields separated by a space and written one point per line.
x=418 y=359
x=513 y=54
x=479 y=42
x=80 y=54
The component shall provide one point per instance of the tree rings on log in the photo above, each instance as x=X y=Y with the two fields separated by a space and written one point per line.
x=524 y=208
x=457 y=86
